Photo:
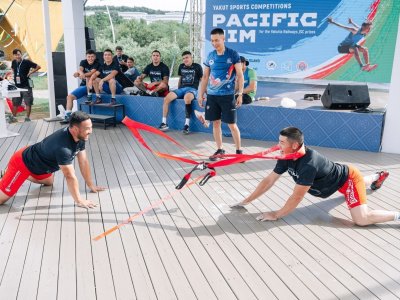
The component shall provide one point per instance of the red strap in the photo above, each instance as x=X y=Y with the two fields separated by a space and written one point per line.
x=134 y=127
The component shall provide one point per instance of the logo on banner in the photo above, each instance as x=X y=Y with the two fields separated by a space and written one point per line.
x=301 y=66
x=271 y=65
x=287 y=66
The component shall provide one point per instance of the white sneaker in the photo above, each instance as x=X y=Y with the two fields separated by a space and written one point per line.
x=201 y=117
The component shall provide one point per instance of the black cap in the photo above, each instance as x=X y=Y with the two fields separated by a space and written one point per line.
x=243 y=59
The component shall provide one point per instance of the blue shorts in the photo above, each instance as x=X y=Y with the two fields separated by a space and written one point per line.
x=183 y=91
x=221 y=108
x=80 y=92
x=106 y=87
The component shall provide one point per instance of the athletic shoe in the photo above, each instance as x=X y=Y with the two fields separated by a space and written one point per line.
x=377 y=184
x=98 y=100
x=113 y=101
x=185 y=129
x=2 y=172
x=163 y=127
x=27 y=119
x=12 y=119
x=88 y=99
x=154 y=94
x=215 y=157
x=372 y=67
x=240 y=152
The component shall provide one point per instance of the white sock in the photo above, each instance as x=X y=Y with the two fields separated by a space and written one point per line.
x=164 y=120
x=371 y=178
x=396 y=216
x=187 y=121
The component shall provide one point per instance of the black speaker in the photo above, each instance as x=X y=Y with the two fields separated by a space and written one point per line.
x=59 y=63
x=89 y=34
x=90 y=44
x=89 y=38
x=342 y=96
x=60 y=86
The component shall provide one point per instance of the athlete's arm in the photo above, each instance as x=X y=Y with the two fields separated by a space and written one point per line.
x=90 y=73
x=240 y=83
x=351 y=29
x=261 y=188
x=34 y=70
x=298 y=194
x=84 y=167
x=203 y=86
x=354 y=24
x=73 y=186
x=110 y=76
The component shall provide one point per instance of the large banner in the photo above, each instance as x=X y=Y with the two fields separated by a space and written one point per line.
x=293 y=39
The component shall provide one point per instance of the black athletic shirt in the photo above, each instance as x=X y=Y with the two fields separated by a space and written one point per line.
x=156 y=73
x=57 y=149
x=87 y=68
x=313 y=169
x=105 y=69
x=22 y=69
x=190 y=75
x=123 y=57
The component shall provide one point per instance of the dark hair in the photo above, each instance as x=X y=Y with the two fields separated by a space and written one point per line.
x=118 y=48
x=217 y=31
x=131 y=58
x=294 y=134
x=156 y=51
x=186 y=53
x=77 y=118
x=90 y=51
x=108 y=50
x=15 y=51
x=365 y=24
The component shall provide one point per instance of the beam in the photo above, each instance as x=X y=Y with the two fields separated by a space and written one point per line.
x=390 y=140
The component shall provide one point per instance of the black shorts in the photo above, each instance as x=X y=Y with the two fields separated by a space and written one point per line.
x=221 y=108
x=346 y=48
x=27 y=96
x=246 y=99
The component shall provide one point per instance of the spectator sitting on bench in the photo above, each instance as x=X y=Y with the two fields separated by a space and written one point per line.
x=190 y=74
x=105 y=80
x=159 y=77
x=87 y=68
x=132 y=73
x=250 y=82
x=121 y=59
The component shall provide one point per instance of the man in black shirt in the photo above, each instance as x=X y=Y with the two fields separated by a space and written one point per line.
x=190 y=75
x=159 y=77
x=106 y=78
x=22 y=69
x=38 y=162
x=317 y=175
x=87 y=68
x=121 y=59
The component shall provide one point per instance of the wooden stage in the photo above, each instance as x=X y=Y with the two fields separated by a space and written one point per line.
x=194 y=246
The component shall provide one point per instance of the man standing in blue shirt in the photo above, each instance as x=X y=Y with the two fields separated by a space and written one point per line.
x=222 y=67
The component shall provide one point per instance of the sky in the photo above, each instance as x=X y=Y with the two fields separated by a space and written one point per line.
x=170 y=5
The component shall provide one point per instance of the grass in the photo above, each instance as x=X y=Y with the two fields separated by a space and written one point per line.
x=40 y=82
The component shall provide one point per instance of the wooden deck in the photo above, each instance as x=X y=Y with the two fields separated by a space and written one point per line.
x=194 y=246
